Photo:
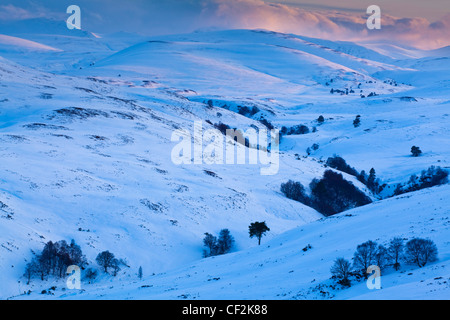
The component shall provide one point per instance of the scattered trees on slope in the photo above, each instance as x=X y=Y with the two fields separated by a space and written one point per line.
x=433 y=176
x=417 y=251
x=56 y=257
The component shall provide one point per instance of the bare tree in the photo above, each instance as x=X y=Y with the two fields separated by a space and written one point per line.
x=395 y=250
x=105 y=260
x=381 y=257
x=225 y=241
x=210 y=242
x=421 y=251
x=365 y=256
x=341 y=270
x=115 y=266
x=90 y=274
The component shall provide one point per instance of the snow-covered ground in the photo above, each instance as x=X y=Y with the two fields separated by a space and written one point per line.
x=85 y=146
x=280 y=269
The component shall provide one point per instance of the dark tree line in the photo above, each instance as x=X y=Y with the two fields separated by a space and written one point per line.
x=329 y=195
x=294 y=130
x=371 y=181
x=433 y=176
x=333 y=194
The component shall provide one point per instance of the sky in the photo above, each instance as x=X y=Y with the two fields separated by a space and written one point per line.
x=416 y=23
x=431 y=10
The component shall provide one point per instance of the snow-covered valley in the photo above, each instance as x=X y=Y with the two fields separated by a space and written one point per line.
x=85 y=145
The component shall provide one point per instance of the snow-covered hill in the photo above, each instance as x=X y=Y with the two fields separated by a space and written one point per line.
x=281 y=269
x=85 y=145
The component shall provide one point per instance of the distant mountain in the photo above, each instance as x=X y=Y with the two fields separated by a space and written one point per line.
x=9 y=43
x=39 y=27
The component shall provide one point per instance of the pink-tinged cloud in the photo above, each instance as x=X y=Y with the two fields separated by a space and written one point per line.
x=11 y=12
x=155 y=17
x=333 y=25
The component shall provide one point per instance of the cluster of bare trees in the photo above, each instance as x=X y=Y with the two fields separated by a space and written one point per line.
x=56 y=257
x=54 y=260
x=416 y=251
x=216 y=246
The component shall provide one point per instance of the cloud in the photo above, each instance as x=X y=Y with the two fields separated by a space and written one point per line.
x=10 y=12
x=154 y=17
x=333 y=25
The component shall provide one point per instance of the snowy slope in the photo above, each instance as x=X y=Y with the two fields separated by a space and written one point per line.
x=102 y=174
x=280 y=269
x=85 y=144
x=247 y=57
x=8 y=43
x=289 y=79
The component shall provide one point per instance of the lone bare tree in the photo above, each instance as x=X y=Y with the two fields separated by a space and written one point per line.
x=341 y=270
x=105 y=259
